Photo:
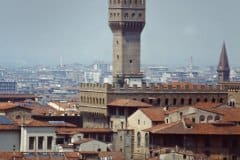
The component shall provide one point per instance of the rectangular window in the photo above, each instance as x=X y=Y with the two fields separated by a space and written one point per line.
x=121 y=111
x=49 y=143
x=40 y=142
x=111 y=124
x=31 y=143
x=60 y=141
x=122 y=125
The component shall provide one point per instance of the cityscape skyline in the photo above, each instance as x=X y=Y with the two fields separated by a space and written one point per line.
x=40 y=32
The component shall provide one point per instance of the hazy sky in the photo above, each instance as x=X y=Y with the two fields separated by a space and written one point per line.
x=41 y=31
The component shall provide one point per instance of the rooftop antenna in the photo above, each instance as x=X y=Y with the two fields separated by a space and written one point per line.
x=190 y=67
x=61 y=61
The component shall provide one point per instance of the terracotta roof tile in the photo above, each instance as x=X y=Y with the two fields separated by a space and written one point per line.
x=114 y=155
x=155 y=114
x=38 y=123
x=4 y=127
x=71 y=131
x=9 y=105
x=196 y=129
x=128 y=103
x=230 y=114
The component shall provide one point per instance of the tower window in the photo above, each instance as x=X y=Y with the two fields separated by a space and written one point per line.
x=126 y=15
x=133 y=14
x=117 y=57
x=130 y=61
x=140 y=15
x=117 y=42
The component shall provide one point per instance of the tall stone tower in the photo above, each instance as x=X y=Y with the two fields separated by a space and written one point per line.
x=126 y=20
x=223 y=66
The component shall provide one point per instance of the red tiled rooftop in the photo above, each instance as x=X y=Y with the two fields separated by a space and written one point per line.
x=155 y=114
x=114 y=155
x=207 y=105
x=128 y=103
x=196 y=129
x=38 y=123
x=70 y=131
x=4 y=127
x=230 y=114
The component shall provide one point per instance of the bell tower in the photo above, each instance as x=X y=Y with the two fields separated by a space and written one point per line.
x=223 y=66
x=126 y=20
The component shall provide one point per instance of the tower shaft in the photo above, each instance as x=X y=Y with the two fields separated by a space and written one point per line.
x=126 y=20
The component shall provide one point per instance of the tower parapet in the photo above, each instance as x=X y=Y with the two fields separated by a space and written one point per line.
x=158 y=87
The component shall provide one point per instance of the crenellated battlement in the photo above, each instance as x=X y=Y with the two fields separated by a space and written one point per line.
x=156 y=87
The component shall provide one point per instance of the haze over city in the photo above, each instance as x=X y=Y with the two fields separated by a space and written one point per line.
x=40 y=32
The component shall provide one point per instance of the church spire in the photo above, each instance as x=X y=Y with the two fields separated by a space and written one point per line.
x=223 y=66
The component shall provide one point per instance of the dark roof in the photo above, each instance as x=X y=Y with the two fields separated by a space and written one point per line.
x=223 y=61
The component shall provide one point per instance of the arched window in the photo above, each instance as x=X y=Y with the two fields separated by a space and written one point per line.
x=96 y=100
x=158 y=101
x=201 y=118
x=93 y=100
x=213 y=100
x=118 y=1
x=174 y=101
x=166 y=101
x=138 y=139
x=221 y=100
x=142 y=100
x=198 y=100
x=150 y=101
x=190 y=101
x=209 y=118
x=100 y=100
x=18 y=117
x=205 y=100
x=146 y=140
x=133 y=14
x=103 y=101
x=217 y=118
x=182 y=101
